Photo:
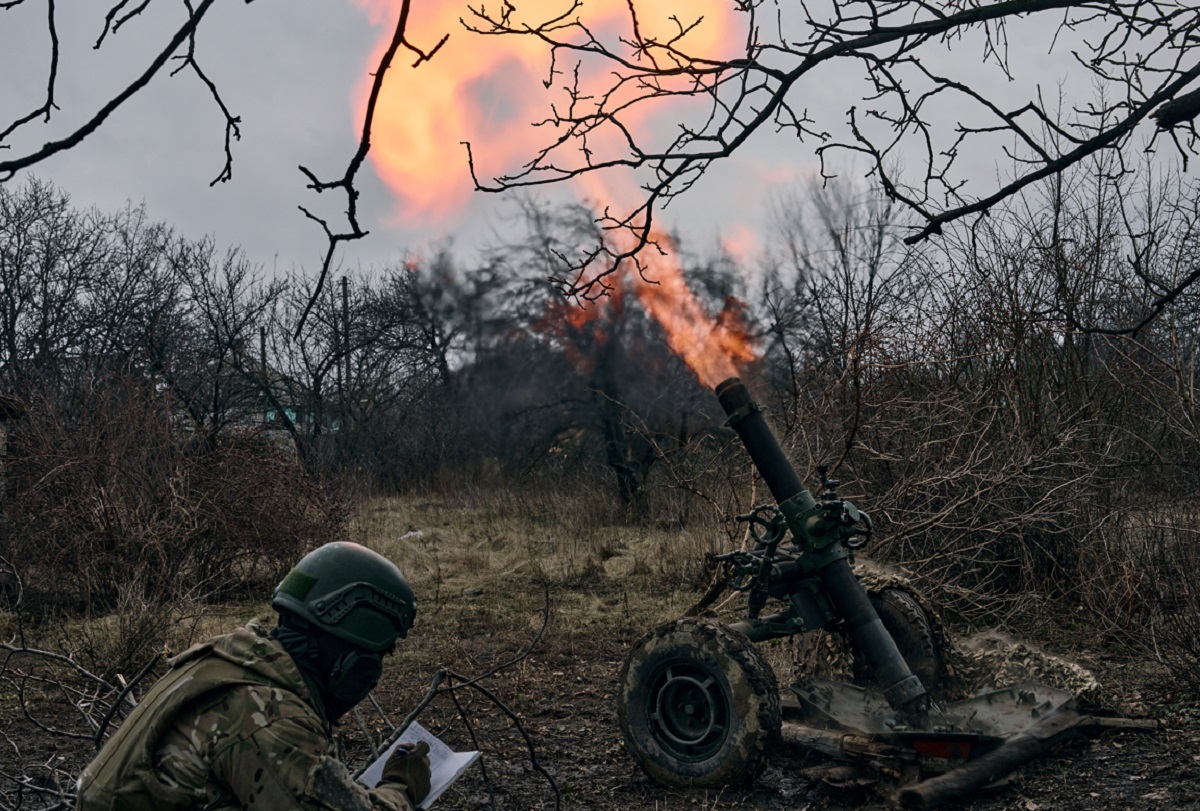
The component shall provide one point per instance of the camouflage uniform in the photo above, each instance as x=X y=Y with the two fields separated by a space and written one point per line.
x=233 y=724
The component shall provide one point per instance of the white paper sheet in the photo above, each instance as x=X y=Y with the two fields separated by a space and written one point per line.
x=445 y=765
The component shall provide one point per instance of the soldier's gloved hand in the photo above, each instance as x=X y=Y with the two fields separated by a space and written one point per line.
x=409 y=766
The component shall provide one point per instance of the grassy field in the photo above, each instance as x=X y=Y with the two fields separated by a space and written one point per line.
x=564 y=587
x=485 y=567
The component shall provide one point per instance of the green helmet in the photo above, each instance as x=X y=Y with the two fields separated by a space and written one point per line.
x=352 y=592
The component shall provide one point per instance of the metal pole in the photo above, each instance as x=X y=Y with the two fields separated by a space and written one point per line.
x=266 y=378
x=346 y=346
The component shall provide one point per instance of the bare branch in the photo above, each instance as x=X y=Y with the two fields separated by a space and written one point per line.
x=346 y=182
x=10 y=167
x=49 y=104
x=112 y=23
x=232 y=130
x=1147 y=52
x=453 y=682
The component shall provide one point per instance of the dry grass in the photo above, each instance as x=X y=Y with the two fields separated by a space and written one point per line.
x=450 y=548
x=482 y=566
x=481 y=563
x=495 y=549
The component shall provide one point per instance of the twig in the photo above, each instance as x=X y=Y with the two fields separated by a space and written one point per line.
x=49 y=104
x=121 y=696
x=487 y=780
x=346 y=182
x=11 y=167
x=453 y=682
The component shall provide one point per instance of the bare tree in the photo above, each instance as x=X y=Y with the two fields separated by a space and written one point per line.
x=81 y=291
x=1012 y=457
x=181 y=48
x=840 y=292
x=906 y=103
x=398 y=347
x=223 y=300
x=49 y=254
x=609 y=387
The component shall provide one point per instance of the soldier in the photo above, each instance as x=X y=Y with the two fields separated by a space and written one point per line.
x=244 y=720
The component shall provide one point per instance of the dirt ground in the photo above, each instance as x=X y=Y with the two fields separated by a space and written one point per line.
x=564 y=694
x=483 y=591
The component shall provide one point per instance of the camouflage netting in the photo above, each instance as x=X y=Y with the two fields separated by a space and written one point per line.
x=991 y=659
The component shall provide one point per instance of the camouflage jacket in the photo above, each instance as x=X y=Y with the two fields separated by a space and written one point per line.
x=231 y=725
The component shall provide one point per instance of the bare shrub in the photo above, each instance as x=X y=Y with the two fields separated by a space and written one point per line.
x=971 y=498
x=52 y=693
x=111 y=504
x=1151 y=605
x=137 y=629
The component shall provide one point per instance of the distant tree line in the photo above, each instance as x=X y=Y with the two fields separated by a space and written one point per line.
x=397 y=377
x=975 y=394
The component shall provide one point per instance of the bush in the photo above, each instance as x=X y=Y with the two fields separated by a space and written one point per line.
x=1167 y=622
x=110 y=499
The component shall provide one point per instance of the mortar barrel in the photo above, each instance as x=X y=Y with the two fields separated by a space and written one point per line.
x=747 y=420
x=902 y=688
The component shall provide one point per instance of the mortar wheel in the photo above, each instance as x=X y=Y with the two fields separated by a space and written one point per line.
x=698 y=705
x=833 y=656
x=913 y=633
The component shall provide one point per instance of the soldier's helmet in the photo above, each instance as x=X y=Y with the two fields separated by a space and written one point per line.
x=352 y=592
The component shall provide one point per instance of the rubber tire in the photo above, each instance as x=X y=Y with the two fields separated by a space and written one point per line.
x=907 y=622
x=742 y=698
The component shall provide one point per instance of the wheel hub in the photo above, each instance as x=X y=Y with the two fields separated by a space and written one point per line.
x=690 y=712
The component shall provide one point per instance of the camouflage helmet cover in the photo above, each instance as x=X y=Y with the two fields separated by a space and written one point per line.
x=352 y=592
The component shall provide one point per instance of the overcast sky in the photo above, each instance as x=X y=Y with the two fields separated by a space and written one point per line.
x=291 y=71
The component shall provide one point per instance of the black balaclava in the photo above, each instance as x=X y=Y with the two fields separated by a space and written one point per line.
x=342 y=673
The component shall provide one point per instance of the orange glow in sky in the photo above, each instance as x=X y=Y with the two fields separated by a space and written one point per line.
x=489 y=90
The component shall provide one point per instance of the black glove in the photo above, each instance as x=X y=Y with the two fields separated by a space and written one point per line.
x=409 y=767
